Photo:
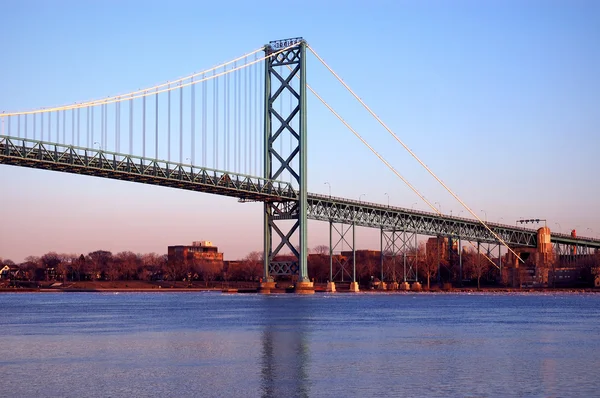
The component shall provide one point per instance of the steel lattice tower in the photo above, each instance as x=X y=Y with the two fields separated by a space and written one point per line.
x=282 y=70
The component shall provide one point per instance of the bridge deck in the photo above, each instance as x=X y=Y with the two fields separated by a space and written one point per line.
x=95 y=162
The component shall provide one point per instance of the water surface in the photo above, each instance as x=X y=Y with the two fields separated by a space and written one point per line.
x=217 y=345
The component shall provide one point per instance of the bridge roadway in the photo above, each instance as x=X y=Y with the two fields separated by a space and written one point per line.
x=96 y=162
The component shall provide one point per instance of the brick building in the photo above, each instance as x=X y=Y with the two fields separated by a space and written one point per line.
x=201 y=251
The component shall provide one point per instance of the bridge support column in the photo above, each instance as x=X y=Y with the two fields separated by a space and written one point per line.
x=342 y=260
x=288 y=219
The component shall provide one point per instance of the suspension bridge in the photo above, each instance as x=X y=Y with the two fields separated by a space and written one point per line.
x=239 y=129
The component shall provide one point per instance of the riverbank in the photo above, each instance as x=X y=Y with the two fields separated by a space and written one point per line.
x=241 y=287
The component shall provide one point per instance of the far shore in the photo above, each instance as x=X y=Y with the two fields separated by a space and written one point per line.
x=242 y=287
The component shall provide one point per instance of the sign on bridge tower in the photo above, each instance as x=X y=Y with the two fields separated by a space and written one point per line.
x=285 y=121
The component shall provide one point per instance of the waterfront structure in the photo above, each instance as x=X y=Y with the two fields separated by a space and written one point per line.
x=200 y=251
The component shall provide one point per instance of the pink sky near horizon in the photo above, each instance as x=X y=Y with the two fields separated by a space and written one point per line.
x=500 y=99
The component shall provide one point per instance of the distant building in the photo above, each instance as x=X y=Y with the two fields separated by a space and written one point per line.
x=8 y=272
x=201 y=251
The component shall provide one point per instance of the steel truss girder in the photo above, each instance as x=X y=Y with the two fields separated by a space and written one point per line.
x=399 y=244
x=490 y=250
x=324 y=208
x=341 y=263
x=571 y=253
x=291 y=65
x=71 y=159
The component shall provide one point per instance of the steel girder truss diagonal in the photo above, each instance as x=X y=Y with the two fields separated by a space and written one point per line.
x=281 y=71
x=401 y=246
x=88 y=161
x=341 y=262
x=72 y=159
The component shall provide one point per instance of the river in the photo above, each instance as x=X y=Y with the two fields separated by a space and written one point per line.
x=208 y=344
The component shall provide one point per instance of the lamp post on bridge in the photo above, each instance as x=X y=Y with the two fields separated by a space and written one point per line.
x=99 y=146
x=484 y=212
x=439 y=206
x=591 y=230
x=388 y=196
x=413 y=205
x=360 y=196
x=329 y=188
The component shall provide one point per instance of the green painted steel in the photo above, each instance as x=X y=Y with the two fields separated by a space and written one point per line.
x=303 y=192
x=280 y=195
x=284 y=64
x=96 y=162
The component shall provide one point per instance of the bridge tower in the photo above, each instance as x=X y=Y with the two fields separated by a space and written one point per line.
x=285 y=77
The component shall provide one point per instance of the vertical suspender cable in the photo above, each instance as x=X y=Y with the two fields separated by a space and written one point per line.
x=42 y=126
x=257 y=117
x=144 y=125
x=64 y=126
x=180 y=123
x=239 y=122
x=19 y=127
x=104 y=126
x=156 y=125
x=193 y=120
x=101 y=126
x=72 y=126
x=87 y=127
x=131 y=126
x=226 y=123
x=34 y=132
x=78 y=124
x=215 y=122
x=92 y=127
x=204 y=140
x=235 y=119
x=246 y=157
x=117 y=126
x=26 y=133
x=169 y=124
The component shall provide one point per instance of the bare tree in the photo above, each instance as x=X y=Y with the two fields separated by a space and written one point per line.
x=431 y=261
x=253 y=265
x=99 y=262
x=475 y=263
x=321 y=249
x=51 y=261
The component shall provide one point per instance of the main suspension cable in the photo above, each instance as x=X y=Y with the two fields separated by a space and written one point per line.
x=413 y=154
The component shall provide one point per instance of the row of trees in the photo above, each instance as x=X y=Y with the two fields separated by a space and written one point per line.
x=104 y=265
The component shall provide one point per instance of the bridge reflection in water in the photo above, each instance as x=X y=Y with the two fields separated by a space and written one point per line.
x=285 y=356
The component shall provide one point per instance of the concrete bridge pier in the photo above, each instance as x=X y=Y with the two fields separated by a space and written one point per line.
x=532 y=269
x=330 y=287
x=266 y=287
x=304 y=288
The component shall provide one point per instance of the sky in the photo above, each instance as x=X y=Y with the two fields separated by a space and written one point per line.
x=501 y=99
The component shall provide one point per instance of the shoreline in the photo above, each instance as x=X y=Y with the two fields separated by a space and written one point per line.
x=318 y=289
x=233 y=287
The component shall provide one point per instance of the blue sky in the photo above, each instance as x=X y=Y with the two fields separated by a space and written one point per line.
x=500 y=98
